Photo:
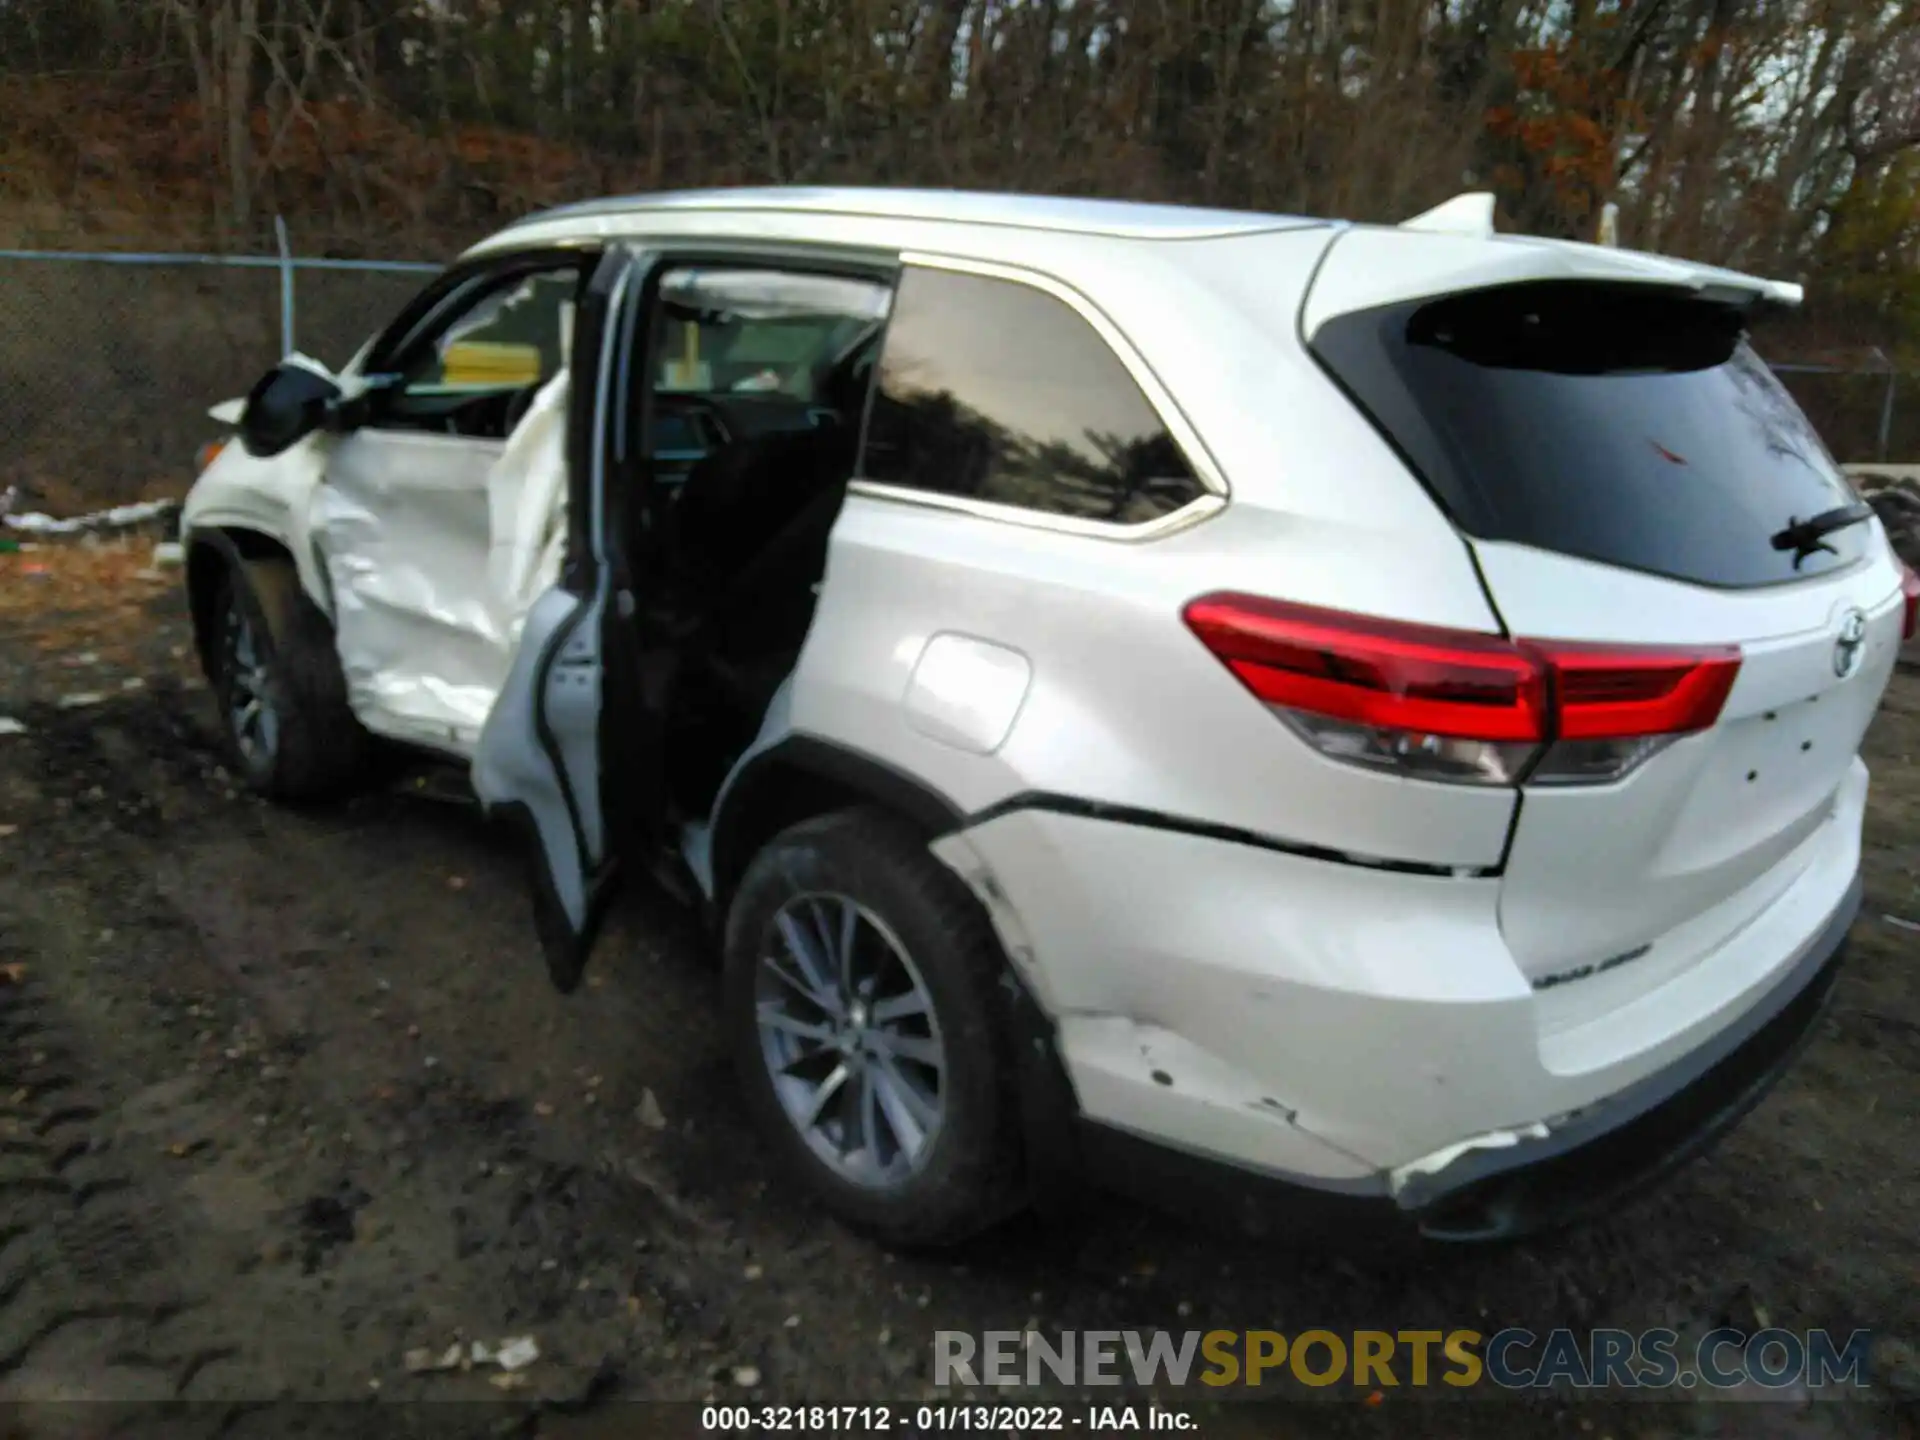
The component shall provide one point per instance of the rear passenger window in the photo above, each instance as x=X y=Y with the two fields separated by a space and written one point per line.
x=993 y=390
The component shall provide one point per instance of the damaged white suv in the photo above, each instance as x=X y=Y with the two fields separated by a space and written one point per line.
x=1366 y=715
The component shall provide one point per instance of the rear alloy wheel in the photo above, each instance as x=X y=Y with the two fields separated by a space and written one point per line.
x=850 y=1039
x=867 y=1026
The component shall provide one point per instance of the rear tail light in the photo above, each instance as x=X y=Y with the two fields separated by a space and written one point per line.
x=209 y=453
x=1406 y=698
x=1910 y=591
x=1436 y=704
x=1617 y=706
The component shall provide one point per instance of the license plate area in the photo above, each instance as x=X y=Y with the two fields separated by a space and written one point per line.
x=1772 y=775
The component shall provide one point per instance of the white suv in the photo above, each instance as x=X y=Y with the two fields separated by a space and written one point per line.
x=1368 y=714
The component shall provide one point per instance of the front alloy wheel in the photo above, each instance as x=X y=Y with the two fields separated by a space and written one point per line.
x=270 y=660
x=252 y=719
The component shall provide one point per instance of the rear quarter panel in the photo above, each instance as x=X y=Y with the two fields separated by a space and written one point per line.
x=1124 y=706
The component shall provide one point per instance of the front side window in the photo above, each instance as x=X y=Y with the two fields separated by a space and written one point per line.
x=471 y=365
x=513 y=335
x=997 y=391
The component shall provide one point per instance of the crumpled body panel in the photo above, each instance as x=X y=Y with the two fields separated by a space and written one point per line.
x=436 y=546
x=527 y=498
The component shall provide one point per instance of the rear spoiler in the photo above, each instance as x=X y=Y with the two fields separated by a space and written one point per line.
x=1472 y=214
x=1754 y=292
x=1468 y=214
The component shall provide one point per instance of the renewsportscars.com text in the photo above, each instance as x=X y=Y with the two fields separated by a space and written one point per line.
x=1511 y=1359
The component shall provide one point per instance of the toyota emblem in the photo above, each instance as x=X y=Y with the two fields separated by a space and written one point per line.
x=1851 y=647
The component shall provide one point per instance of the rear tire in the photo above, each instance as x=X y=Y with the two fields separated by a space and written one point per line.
x=920 y=1035
x=288 y=731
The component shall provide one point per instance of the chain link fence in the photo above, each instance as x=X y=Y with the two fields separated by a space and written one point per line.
x=1867 y=413
x=108 y=362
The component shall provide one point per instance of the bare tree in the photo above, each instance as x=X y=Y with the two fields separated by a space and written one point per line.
x=1777 y=134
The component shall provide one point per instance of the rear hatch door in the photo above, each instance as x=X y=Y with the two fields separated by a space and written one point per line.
x=1628 y=472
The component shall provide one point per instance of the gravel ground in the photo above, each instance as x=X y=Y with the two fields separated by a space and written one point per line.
x=287 y=1095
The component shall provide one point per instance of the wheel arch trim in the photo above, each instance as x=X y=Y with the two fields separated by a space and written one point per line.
x=213 y=550
x=796 y=773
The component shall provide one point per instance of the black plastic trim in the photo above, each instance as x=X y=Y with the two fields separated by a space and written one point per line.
x=854 y=770
x=1677 y=1111
x=218 y=542
x=886 y=783
x=1054 y=804
x=1048 y=1108
x=1253 y=1203
x=558 y=945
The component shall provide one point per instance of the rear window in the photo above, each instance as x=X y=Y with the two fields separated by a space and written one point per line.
x=1621 y=424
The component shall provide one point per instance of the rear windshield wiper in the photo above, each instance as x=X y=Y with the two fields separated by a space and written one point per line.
x=1805 y=537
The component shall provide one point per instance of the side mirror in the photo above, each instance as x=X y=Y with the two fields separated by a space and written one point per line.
x=370 y=398
x=289 y=403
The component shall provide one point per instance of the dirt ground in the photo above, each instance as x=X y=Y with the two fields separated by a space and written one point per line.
x=286 y=1095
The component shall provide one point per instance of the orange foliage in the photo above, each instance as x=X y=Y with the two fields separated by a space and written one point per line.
x=80 y=152
x=1564 y=119
x=336 y=137
x=67 y=597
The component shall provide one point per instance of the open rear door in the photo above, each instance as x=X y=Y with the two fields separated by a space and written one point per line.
x=567 y=749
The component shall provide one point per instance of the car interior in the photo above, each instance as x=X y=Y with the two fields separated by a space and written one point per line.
x=752 y=447
x=478 y=377
x=755 y=384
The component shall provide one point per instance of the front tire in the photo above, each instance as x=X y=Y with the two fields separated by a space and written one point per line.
x=863 y=1009
x=288 y=731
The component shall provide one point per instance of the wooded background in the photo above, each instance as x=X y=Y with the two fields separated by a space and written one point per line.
x=1781 y=136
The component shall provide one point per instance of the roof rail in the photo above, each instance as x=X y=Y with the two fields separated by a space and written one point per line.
x=1468 y=214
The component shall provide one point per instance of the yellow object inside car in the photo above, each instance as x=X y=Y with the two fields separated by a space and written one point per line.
x=478 y=362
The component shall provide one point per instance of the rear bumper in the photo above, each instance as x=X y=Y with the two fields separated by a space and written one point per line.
x=1592 y=1160
x=1346 y=1025
x=1583 y=1164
